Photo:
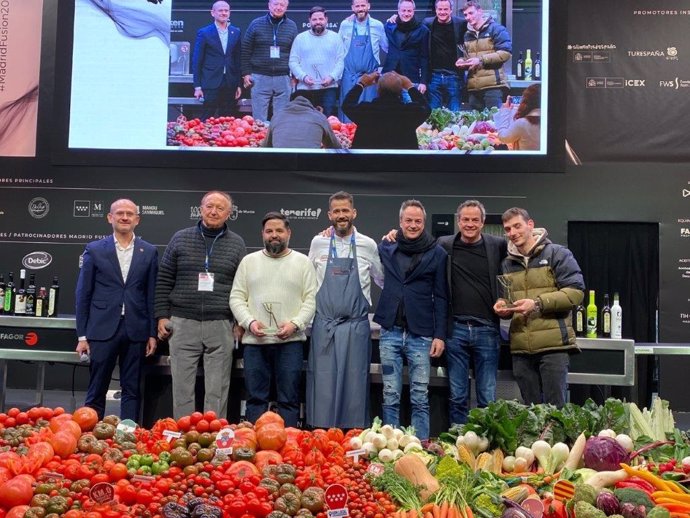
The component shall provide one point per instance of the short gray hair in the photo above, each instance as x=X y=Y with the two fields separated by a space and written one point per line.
x=400 y=2
x=472 y=203
x=412 y=203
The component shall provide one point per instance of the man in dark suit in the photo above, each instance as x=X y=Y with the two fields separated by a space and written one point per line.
x=114 y=306
x=474 y=262
x=386 y=122
x=408 y=46
x=216 y=63
x=412 y=312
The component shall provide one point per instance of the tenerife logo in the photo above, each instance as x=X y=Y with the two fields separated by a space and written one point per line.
x=306 y=213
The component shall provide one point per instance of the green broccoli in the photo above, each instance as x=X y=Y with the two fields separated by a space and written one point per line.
x=583 y=493
x=487 y=505
x=634 y=496
x=586 y=510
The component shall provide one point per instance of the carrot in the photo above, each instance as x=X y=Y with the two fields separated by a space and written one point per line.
x=453 y=512
x=680 y=497
x=436 y=511
x=428 y=514
x=676 y=507
x=412 y=513
x=678 y=515
x=444 y=510
x=427 y=507
x=468 y=512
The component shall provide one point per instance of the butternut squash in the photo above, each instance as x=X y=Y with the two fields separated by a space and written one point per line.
x=413 y=469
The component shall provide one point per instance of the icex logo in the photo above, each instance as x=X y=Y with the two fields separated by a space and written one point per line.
x=543 y=262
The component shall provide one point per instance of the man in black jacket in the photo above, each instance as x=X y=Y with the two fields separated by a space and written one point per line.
x=445 y=47
x=474 y=261
x=265 y=53
x=192 y=302
x=386 y=122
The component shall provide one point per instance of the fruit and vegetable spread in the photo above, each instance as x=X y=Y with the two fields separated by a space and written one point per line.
x=509 y=460
x=444 y=130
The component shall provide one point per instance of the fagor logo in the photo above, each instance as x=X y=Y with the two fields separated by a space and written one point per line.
x=31 y=339
x=37 y=260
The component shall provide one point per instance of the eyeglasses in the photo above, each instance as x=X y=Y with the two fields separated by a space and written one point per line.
x=124 y=214
x=218 y=208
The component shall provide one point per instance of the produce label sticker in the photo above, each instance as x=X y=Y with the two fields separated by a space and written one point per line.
x=224 y=440
x=52 y=474
x=336 y=499
x=563 y=490
x=355 y=454
x=170 y=436
x=102 y=493
x=143 y=478
x=376 y=469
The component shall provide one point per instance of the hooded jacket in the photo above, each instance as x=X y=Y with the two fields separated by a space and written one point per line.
x=550 y=273
x=492 y=45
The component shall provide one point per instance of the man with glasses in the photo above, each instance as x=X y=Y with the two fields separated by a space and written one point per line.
x=114 y=307
x=192 y=292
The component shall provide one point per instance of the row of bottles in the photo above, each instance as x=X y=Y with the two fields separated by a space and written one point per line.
x=526 y=70
x=27 y=300
x=588 y=322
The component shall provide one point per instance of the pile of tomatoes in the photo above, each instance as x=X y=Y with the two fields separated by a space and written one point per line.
x=51 y=461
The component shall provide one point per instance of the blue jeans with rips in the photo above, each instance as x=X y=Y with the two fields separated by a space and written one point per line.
x=480 y=341
x=445 y=90
x=394 y=345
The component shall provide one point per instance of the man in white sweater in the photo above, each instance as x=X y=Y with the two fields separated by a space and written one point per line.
x=273 y=299
x=317 y=59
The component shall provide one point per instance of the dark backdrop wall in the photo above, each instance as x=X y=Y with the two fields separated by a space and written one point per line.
x=58 y=208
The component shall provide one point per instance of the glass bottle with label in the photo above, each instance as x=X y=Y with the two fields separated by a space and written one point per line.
x=8 y=305
x=20 y=296
x=606 y=318
x=616 y=318
x=53 y=298
x=2 y=293
x=520 y=69
x=537 y=67
x=528 y=65
x=579 y=320
x=42 y=302
x=31 y=296
x=591 y=316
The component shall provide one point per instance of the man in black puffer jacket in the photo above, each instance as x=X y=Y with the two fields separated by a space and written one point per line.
x=192 y=305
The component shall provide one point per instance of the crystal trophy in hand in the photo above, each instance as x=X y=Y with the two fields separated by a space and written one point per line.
x=318 y=78
x=270 y=317
x=507 y=290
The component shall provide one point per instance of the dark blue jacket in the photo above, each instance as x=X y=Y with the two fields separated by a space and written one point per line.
x=101 y=292
x=424 y=292
x=410 y=57
x=209 y=62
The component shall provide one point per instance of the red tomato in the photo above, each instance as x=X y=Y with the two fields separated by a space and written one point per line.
x=203 y=426
x=17 y=512
x=13 y=412
x=196 y=417
x=215 y=425
x=184 y=423
x=16 y=491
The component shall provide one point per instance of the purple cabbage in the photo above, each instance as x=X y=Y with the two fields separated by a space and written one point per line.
x=604 y=454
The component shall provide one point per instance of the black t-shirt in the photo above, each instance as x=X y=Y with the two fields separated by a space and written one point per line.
x=470 y=281
x=443 y=51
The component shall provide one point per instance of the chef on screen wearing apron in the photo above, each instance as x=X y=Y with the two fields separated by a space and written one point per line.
x=364 y=39
x=340 y=350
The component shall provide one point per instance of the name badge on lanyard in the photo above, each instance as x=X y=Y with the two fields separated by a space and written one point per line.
x=205 y=281
x=275 y=52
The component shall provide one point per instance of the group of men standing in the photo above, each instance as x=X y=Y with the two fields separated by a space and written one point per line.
x=435 y=54
x=439 y=297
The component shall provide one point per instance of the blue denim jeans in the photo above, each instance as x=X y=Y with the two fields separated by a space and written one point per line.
x=445 y=90
x=394 y=344
x=327 y=98
x=279 y=362
x=543 y=377
x=480 y=99
x=482 y=343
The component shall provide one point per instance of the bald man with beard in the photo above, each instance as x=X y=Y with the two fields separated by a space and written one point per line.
x=387 y=122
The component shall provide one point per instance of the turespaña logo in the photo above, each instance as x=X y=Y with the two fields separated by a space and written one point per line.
x=37 y=260
x=670 y=54
x=82 y=209
x=39 y=208
x=671 y=51
x=306 y=213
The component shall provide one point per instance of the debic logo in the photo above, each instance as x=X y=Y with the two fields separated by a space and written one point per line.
x=37 y=260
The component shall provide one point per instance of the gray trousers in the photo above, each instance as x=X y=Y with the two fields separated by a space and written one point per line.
x=192 y=340
x=542 y=378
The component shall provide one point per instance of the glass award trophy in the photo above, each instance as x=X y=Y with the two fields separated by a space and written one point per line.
x=507 y=290
x=270 y=317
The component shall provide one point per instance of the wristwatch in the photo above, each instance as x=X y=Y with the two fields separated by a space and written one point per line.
x=538 y=305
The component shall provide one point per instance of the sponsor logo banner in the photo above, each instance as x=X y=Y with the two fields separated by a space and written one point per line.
x=37 y=260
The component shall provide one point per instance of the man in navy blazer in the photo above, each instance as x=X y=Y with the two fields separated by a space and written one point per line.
x=216 y=63
x=114 y=306
x=412 y=312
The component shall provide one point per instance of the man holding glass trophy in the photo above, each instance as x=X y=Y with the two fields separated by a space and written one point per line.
x=317 y=59
x=273 y=299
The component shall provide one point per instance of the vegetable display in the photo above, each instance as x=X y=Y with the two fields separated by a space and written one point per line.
x=53 y=463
